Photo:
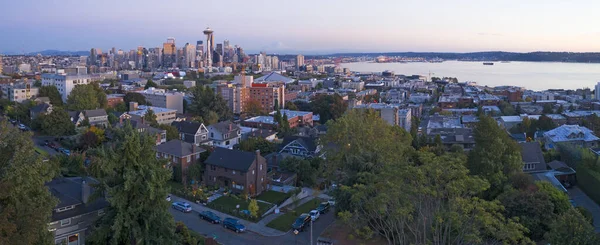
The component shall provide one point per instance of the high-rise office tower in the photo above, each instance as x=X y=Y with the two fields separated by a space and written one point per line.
x=1 y=62
x=199 y=54
x=275 y=63
x=209 y=47
x=299 y=61
x=226 y=44
x=93 y=59
x=169 y=53
x=189 y=51
x=219 y=49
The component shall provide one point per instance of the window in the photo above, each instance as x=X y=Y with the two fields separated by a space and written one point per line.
x=227 y=142
x=252 y=172
x=189 y=158
x=213 y=168
x=212 y=135
x=65 y=222
x=261 y=167
x=233 y=172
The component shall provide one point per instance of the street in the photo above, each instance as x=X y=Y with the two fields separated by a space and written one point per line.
x=228 y=237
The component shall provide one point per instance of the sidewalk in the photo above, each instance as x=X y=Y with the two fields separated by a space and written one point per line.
x=257 y=228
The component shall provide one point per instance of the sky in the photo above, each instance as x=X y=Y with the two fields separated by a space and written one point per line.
x=308 y=26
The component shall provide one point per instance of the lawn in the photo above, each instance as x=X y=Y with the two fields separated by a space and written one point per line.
x=227 y=204
x=273 y=197
x=285 y=221
x=41 y=151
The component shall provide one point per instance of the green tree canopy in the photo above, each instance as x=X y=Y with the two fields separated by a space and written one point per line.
x=134 y=97
x=172 y=132
x=256 y=143
x=571 y=228
x=204 y=100
x=25 y=202
x=150 y=118
x=136 y=183
x=306 y=171
x=150 y=84
x=56 y=123
x=86 y=97
x=52 y=93
x=495 y=156
x=328 y=106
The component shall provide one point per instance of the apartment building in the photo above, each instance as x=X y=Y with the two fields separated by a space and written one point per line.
x=19 y=92
x=64 y=83
x=268 y=94
x=163 y=115
x=391 y=113
x=164 y=99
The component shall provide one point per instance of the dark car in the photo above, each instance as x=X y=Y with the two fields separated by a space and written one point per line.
x=301 y=222
x=323 y=207
x=234 y=225
x=210 y=217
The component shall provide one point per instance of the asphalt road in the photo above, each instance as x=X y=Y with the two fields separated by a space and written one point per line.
x=228 y=237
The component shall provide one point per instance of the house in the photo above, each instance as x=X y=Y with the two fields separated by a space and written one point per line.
x=301 y=146
x=41 y=109
x=159 y=134
x=570 y=134
x=454 y=136
x=75 y=212
x=533 y=158
x=76 y=117
x=180 y=155
x=96 y=117
x=225 y=134
x=243 y=172
x=192 y=132
x=266 y=134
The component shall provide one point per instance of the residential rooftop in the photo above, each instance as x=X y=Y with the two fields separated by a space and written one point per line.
x=142 y=109
x=567 y=133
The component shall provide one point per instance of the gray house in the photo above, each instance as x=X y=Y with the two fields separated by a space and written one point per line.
x=301 y=146
x=75 y=213
x=225 y=134
x=192 y=132
x=533 y=158
x=96 y=117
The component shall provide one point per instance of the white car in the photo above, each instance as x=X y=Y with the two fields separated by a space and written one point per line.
x=314 y=215
x=168 y=198
x=331 y=202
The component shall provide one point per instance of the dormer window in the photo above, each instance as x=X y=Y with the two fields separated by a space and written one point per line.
x=65 y=208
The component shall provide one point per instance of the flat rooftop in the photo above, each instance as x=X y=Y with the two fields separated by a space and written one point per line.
x=143 y=109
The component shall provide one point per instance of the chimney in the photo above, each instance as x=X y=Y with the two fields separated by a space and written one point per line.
x=133 y=106
x=257 y=154
x=85 y=191
x=230 y=126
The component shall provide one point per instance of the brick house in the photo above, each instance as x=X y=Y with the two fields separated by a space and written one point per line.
x=241 y=171
x=181 y=155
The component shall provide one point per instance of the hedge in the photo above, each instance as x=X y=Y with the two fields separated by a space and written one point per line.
x=589 y=181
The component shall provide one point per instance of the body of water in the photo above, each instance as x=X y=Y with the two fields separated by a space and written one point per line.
x=531 y=75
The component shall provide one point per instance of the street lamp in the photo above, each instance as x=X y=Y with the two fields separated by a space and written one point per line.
x=296 y=236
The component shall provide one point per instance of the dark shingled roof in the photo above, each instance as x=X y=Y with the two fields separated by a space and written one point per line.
x=223 y=127
x=95 y=113
x=68 y=193
x=178 y=148
x=187 y=127
x=40 y=108
x=231 y=159
x=531 y=152
x=307 y=142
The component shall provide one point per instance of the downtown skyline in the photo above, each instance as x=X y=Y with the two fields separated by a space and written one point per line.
x=312 y=27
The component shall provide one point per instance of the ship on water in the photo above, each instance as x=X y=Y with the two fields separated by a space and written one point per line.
x=488 y=63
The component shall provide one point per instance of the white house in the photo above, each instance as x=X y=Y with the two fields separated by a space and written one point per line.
x=225 y=134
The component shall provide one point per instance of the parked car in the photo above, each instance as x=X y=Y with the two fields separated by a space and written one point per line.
x=324 y=207
x=301 y=222
x=331 y=202
x=66 y=152
x=182 y=206
x=314 y=215
x=210 y=217
x=234 y=225
x=168 y=198
x=22 y=127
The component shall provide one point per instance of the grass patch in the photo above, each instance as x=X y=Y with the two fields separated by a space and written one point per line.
x=227 y=204
x=199 y=238
x=273 y=197
x=41 y=151
x=284 y=222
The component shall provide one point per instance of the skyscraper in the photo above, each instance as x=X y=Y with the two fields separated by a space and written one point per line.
x=209 y=47
x=189 y=51
x=169 y=53
x=93 y=60
x=299 y=61
x=597 y=92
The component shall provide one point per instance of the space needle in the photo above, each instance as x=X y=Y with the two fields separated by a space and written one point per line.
x=209 y=46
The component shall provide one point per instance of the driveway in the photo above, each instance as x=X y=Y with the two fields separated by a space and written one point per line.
x=581 y=199
x=227 y=237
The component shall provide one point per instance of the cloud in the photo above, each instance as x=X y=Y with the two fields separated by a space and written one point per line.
x=488 y=34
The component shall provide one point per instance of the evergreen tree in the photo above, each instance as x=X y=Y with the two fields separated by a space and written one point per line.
x=150 y=84
x=150 y=118
x=52 y=93
x=25 y=202
x=135 y=183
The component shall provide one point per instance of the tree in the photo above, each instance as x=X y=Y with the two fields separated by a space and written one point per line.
x=291 y=106
x=559 y=199
x=571 y=228
x=52 y=93
x=507 y=109
x=328 y=106
x=253 y=108
x=150 y=118
x=134 y=97
x=211 y=118
x=136 y=182
x=69 y=165
x=204 y=100
x=560 y=109
x=545 y=123
x=495 y=156
x=26 y=204
x=195 y=172
x=547 y=109
x=184 y=236
x=533 y=208
x=56 y=123
x=302 y=105
x=172 y=132
x=307 y=174
x=253 y=208
x=92 y=137
x=86 y=97
x=150 y=84
x=256 y=143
